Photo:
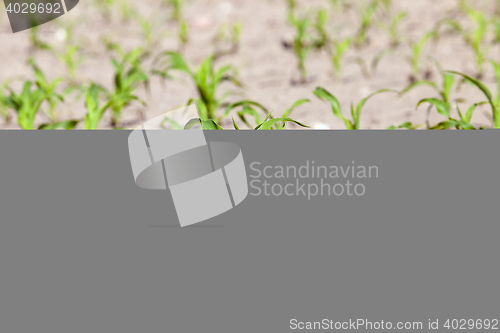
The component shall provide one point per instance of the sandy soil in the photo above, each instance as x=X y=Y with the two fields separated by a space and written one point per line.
x=266 y=69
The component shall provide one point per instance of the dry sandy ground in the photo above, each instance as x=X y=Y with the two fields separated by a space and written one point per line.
x=264 y=67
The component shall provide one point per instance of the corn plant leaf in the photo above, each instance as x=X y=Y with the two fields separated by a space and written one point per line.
x=468 y=115
x=177 y=62
x=249 y=111
x=448 y=81
x=364 y=100
x=452 y=123
x=208 y=124
x=298 y=103
x=496 y=68
x=336 y=108
x=417 y=84
x=441 y=107
x=67 y=125
x=478 y=84
x=356 y=115
x=407 y=125
x=233 y=106
x=267 y=125
x=173 y=124
x=235 y=125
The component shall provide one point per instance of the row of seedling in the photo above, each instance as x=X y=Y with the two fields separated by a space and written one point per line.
x=37 y=101
x=319 y=30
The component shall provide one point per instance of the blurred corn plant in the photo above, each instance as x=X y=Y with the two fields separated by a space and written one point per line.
x=252 y=110
x=4 y=109
x=206 y=78
x=414 y=58
x=205 y=124
x=443 y=103
x=406 y=125
x=476 y=37
x=26 y=104
x=493 y=101
x=183 y=34
x=177 y=15
x=267 y=124
x=73 y=59
x=302 y=46
x=273 y=123
x=367 y=15
x=227 y=34
x=291 y=6
x=49 y=88
x=129 y=75
x=177 y=7
x=353 y=124
x=337 y=51
x=246 y=109
x=393 y=29
x=321 y=29
x=95 y=111
x=126 y=10
x=147 y=31
x=309 y=35
x=36 y=42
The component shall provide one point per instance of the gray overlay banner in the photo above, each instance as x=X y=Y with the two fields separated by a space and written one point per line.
x=83 y=249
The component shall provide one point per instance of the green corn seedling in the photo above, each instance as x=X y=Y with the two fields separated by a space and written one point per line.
x=416 y=54
x=339 y=49
x=291 y=6
x=183 y=33
x=367 y=17
x=95 y=111
x=72 y=59
x=147 y=31
x=206 y=79
x=353 y=124
x=476 y=37
x=414 y=59
x=320 y=28
x=66 y=125
x=227 y=34
x=407 y=125
x=444 y=92
x=393 y=29
x=205 y=124
x=251 y=109
x=305 y=41
x=301 y=45
x=247 y=109
x=177 y=7
x=127 y=12
x=177 y=15
x=49 y=89
x=129 y=75
x=276 y=123
x=4 y=108
x=267 y=124
x=36 y=42
x=493 y=101
x=443 y=104
x=26 y=104
x=386 y=4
